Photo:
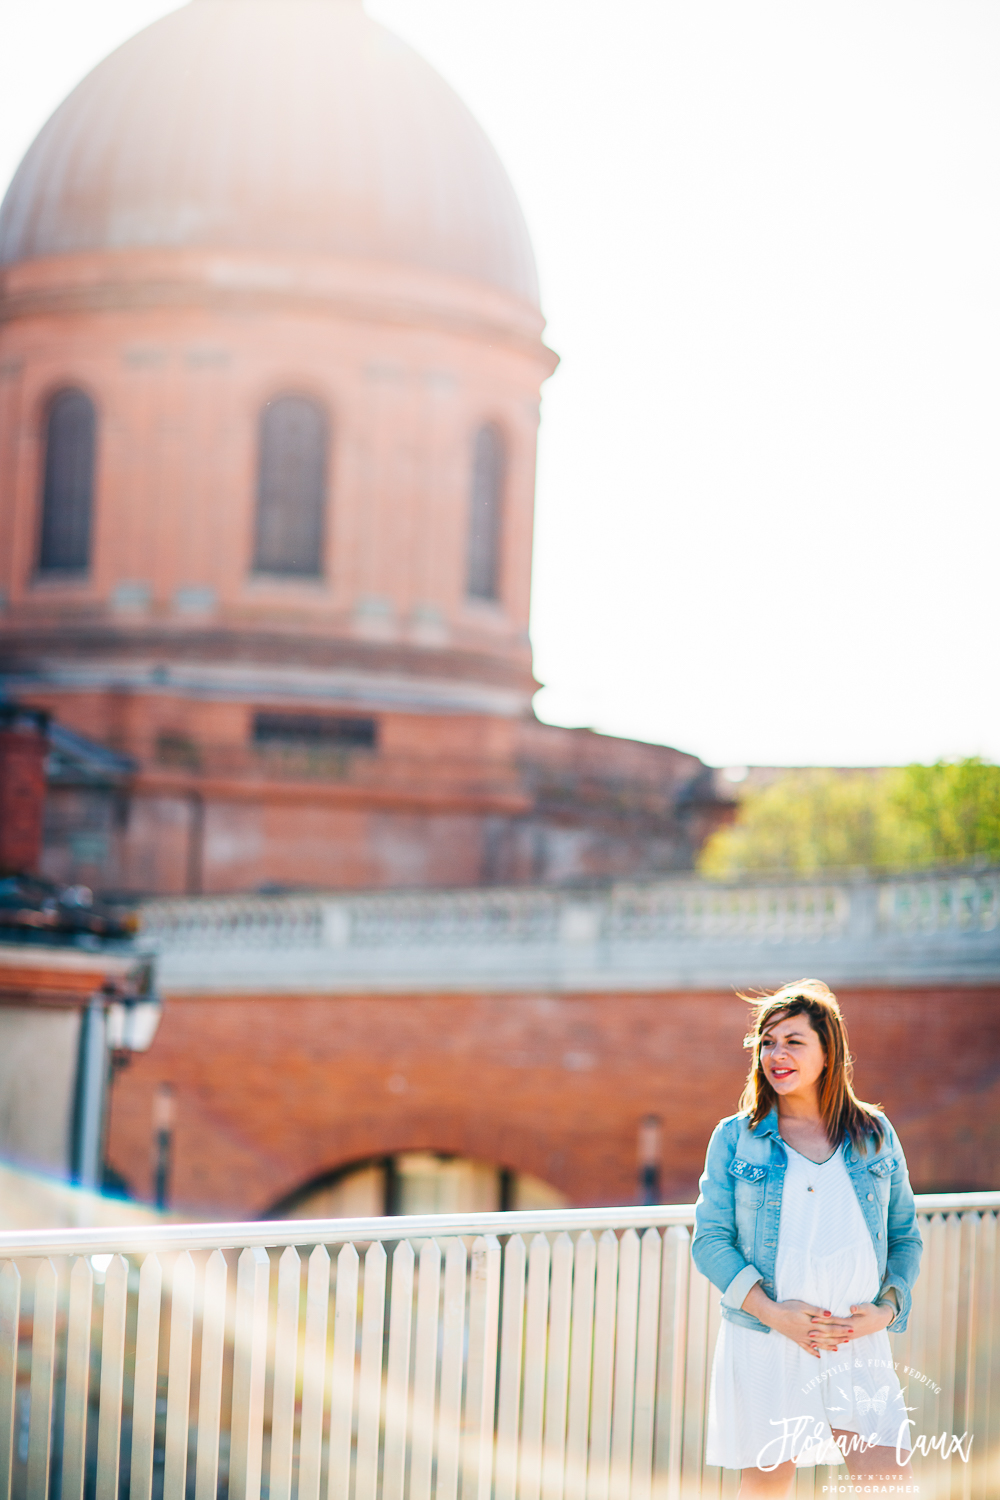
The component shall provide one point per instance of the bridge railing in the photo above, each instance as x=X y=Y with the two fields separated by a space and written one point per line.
x=524 y=1356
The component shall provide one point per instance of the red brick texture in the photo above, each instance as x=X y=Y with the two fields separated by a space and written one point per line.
x=22 y=800
x=274 y=1091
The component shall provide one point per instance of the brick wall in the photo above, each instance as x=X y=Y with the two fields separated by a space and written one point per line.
x=272 y=1092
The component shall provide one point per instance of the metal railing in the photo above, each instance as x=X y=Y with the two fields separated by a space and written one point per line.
x=526 y=1356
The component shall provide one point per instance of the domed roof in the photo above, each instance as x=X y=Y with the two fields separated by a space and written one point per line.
x=270 y=125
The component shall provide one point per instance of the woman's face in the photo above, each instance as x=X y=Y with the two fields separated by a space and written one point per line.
x=791 y=1055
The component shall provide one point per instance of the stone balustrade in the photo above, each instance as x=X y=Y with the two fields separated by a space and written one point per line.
x=675 y=933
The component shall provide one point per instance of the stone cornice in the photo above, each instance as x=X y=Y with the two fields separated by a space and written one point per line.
x=120 y=281
x=32 y=647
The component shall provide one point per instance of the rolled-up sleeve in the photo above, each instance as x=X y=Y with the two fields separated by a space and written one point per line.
x=904 y=1244
x=735 y=1293
x=715 y=1247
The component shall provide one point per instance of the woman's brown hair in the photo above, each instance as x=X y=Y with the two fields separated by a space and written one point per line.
x=840 y=1107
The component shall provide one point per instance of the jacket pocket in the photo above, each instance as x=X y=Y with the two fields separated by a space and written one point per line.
x=880 y=1172
x=750 y=1181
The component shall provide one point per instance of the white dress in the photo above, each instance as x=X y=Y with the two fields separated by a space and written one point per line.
x=769 y=1400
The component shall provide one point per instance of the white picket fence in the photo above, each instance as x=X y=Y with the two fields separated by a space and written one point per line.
x=527 y=1356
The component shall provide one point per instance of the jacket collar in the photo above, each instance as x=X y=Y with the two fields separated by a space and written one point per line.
x=769 y=1124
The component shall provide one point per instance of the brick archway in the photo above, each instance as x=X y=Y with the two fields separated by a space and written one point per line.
x=274 y=1091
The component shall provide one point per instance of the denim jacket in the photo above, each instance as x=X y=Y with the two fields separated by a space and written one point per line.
x=739 y=1210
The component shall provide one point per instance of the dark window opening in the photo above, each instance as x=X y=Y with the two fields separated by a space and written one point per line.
x=319 y=731
x=486 y=514
x=68 y=487
x=176 y=749
x=291 y=488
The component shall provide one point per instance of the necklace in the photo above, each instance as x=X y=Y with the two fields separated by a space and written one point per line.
x=810 y=1188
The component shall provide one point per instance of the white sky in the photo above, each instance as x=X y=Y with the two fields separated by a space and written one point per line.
x=769 y=241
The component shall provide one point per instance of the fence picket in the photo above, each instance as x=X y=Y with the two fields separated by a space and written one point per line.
x=949 y=1343
x=985 y=1363
x=605 y=1306
x=712 y=1475
x=965 y=1375
x=313 y=1373
x=452 y=1359
x=425 y=1370
x=557 y=1383
x=397 y=1387
x=692 y=1442
x=43 y=1357
x=81 y=1308
x=370 y=1374
x=213 y=1333
x=109 y=1426
x=481 y=1369
x=647 y=1340
x=535 y=1341
x=991 y=1425
x=147 y=1349
x=286 y=1353
x=10 y=1313
x=253 y=1274
x=175 y=1444
x=511 y=1348
x=625 y=1347
x=581 y=1349
x=927 y=1356
x=345 y=1326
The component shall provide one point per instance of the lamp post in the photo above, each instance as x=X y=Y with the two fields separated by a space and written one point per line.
x=650 y=1152
x=163 y=1139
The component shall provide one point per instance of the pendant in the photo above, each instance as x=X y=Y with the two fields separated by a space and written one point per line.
x=810 y=1190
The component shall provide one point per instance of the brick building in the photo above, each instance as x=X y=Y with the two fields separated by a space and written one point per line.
x=270 y=367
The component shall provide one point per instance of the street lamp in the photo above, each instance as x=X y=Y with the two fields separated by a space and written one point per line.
x=163 y=1139
x=650 y=1153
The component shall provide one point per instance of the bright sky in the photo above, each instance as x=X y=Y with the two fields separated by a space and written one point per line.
x=768 y=233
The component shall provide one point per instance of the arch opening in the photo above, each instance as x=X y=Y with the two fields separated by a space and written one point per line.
x=416 y=1182
x=68 y=483
x=291 y=488
x=489 y=463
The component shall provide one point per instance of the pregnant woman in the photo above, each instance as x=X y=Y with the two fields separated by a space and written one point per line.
x=805 y=1223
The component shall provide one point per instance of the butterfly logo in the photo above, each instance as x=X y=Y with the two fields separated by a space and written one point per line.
x=868 y=1403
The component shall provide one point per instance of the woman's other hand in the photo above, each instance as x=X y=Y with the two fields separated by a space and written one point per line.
x=867 y=1317
x=812 y=1328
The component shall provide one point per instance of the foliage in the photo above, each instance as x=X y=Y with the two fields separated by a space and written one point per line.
x=807 y=821
x=957 y=805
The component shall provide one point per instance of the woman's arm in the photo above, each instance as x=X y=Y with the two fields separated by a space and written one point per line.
x=904 y=1245
x=715 y=1248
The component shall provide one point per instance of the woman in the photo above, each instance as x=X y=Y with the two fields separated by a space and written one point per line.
x=805 y=1223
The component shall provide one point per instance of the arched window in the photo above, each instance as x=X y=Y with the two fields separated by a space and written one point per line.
x=291 y=488
x=68 y=490
x=486 y=513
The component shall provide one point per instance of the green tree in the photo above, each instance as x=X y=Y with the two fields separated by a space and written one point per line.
x=807 y=821
x=956 y=804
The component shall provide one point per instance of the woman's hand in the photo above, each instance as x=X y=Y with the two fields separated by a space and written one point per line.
x=867 y=1317
x=812 y=1328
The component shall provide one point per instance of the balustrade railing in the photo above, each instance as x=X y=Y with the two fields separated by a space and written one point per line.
x=630 y=935
x=531 y=1356
x=672 y=910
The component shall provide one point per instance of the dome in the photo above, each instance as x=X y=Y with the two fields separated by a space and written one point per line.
x=270 y=126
